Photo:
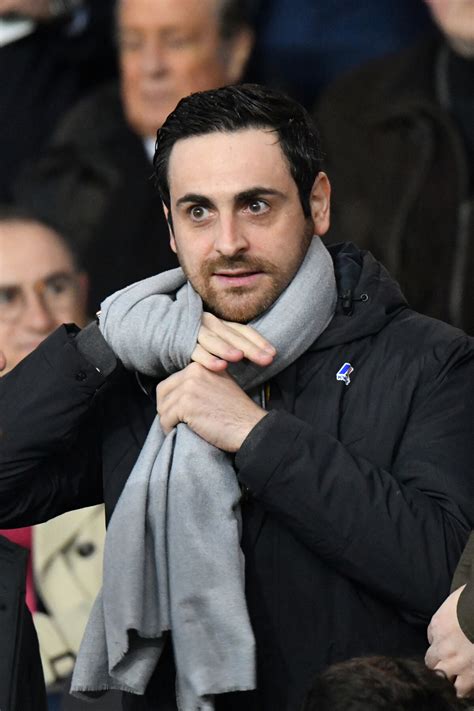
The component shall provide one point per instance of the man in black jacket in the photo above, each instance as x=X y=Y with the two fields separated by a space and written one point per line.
x=356 y=467
x=399 y=139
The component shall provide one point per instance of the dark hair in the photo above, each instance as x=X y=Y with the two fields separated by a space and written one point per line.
x=233 y=108
x=382 y=684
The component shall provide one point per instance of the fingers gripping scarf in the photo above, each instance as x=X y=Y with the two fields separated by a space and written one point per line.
x=172 y=560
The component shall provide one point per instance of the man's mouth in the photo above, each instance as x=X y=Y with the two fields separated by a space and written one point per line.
x=237 y=277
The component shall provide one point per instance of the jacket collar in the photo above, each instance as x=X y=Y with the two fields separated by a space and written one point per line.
x=368 y=297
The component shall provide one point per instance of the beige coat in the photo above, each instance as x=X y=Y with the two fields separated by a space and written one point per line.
x=67 y=566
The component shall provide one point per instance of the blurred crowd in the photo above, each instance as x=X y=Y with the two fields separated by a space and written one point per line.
x=85 y=84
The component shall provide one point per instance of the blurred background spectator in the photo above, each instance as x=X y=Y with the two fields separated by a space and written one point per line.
x=303 y=45
x=94 y=181
x=382 y=684
x=42 y=287
x=52 y=52
x=399 y=138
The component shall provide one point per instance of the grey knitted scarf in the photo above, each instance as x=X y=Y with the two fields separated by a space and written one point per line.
x=172 y=562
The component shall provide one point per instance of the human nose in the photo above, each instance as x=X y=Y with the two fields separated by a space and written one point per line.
x=153 y=58
x=230 y=239
x=37 y=315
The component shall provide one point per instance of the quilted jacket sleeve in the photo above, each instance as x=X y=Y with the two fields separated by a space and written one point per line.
x=398 y=532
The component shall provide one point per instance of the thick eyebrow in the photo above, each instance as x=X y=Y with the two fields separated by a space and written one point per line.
x=241 y=198
x=256 y=192
x=194 y=198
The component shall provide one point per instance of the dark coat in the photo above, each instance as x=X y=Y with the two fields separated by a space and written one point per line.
x=94 y=184
x=42 y=76
x=21 y=674
x=358 y=498
x=464 y=575
x=400 y=175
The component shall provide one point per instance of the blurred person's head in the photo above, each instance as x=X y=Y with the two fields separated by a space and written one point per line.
x=171 y=48
x=455 y=18
x=382 y=684
x=40 y=284
x=238 y=169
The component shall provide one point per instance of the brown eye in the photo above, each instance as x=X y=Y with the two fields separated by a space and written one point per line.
x=199 y=213
x=257 y=207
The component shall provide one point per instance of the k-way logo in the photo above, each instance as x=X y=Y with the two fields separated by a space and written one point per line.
x=344 y=372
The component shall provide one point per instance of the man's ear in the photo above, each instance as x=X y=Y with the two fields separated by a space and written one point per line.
x=237 y=55
x=169 y=220
x=320 y=204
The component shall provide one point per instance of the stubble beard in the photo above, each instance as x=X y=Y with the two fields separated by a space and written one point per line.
x=242 y=304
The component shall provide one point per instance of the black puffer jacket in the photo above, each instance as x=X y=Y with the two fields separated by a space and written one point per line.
x=358 y=497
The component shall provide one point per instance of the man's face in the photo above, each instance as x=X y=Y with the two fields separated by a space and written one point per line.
x=39 y=288
x=238 y=225
x=169 y=49
x=456 y=20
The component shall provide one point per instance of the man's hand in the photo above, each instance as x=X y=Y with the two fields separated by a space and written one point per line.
x=222 y=342
x=211 y=404
x=34 y=9
x=450 y=650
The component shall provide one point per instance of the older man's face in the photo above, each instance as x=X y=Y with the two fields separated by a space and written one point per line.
x=169 y=49
x=456 y=20
x=39 y=288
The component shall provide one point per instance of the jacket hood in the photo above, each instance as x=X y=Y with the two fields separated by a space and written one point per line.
x=368 y=297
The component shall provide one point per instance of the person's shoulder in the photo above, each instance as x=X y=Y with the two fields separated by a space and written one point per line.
x=93 y=119
x=374 y=86
x=430 y=344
